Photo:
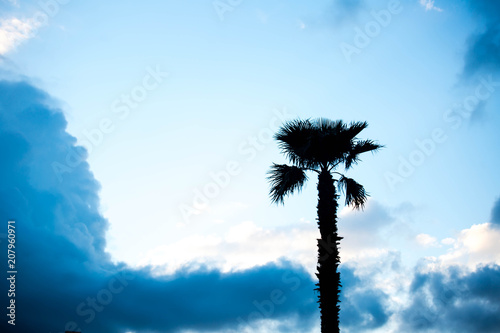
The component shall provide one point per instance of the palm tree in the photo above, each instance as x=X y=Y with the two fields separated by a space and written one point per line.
x=322 y=146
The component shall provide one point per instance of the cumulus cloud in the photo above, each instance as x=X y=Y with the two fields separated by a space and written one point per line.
x=363 y=307
x=454 y=300
x=457 y=291
x=426 y=240
x=469 y=248
x=244 y=245
x=473 y=246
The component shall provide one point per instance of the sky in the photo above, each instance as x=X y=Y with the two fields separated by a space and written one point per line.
x=135 y=141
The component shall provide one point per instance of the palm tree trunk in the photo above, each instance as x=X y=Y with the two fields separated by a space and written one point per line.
x=328 y=254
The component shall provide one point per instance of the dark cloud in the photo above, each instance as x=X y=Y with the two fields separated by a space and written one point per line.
x=65 y=279
x=487 y=9
x=362 y=306
x=495 y=213
x=483 y=52
x=454 y=301
x=483 y=48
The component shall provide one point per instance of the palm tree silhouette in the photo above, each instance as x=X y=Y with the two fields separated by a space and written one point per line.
x=322 y=146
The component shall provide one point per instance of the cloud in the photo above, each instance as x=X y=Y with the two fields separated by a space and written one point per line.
x=20 y=20
x=429 y=5
x=495 y=213
x=485 y=8
x=471 y=247
x=454 y=300
x=244 y=245
x=14 y=31
x=426 y=240
x=66 y=280
x=483 y=51
x=363 y=306
x=483 y=48
x=474 y=246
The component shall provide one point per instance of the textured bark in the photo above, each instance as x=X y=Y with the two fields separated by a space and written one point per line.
x=328 y=254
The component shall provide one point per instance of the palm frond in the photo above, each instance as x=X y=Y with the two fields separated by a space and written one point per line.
x=355 y=193
x=359 y=147
x=285 y=180
x=326 y=125
x=335 y=139
x=320 y=142
x=295 y=141
x=355 y=128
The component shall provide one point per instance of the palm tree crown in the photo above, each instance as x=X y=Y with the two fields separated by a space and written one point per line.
x=317 y=145
x=322 y=146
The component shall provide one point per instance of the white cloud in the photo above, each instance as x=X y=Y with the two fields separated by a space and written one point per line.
x=246 y=244
x=264 y=326
x=426 y=240
x=14 y=31
x=243 y=246
x=477 y=245
x=429 y=5
x=448 y=241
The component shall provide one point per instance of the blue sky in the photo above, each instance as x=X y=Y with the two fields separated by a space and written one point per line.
x=137 y=137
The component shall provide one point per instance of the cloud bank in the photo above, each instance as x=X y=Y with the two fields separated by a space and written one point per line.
x=454 y=301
